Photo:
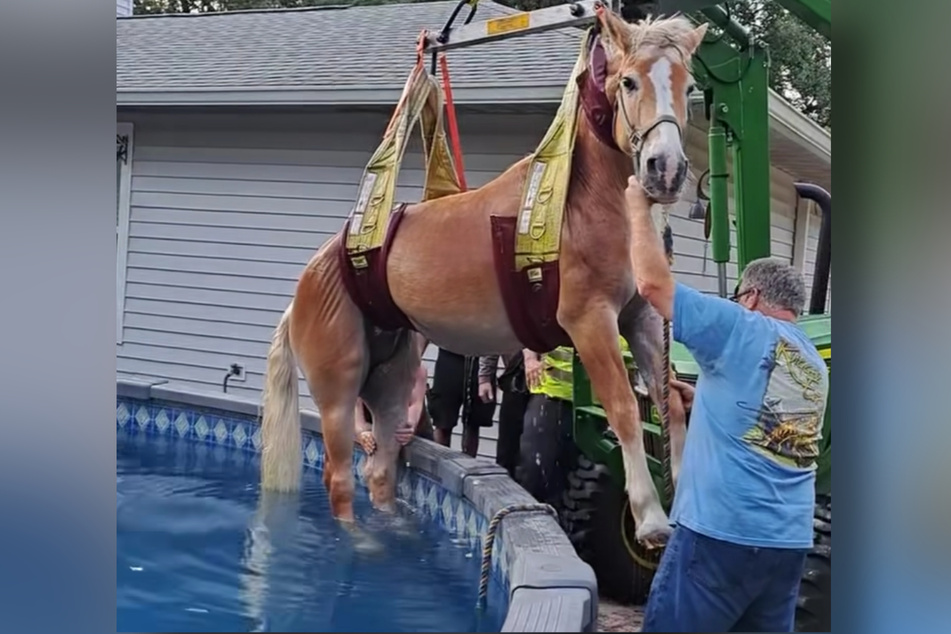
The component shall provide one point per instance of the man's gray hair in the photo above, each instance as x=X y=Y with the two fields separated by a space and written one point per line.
x=779 y=284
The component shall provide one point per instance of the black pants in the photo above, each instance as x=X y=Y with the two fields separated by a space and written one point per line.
x=547 y=448
x=511 y=421
x=453 y=389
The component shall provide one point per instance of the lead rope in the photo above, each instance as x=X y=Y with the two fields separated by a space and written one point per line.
x=490 y=541
x=665 y=418
x=665 y=382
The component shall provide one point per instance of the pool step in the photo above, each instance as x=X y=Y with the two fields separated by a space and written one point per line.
x=549 y=610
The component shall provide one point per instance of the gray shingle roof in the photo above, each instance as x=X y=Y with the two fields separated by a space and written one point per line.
x=362 y=55
x=334 y=48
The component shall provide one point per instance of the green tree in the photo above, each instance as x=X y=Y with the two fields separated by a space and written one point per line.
x=800 y=58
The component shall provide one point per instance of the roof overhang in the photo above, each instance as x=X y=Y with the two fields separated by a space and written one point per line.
x=331 y=96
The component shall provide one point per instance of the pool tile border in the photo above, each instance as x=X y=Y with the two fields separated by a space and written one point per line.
x=548 y=587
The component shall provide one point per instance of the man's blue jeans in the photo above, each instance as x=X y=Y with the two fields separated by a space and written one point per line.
x=708 y=585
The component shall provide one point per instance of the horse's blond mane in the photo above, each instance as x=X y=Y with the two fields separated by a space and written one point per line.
x=668 y=32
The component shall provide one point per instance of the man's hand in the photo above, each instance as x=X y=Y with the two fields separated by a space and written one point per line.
x=404 y=433
x=486 y=393
x=367 y=441
x=636 y=197
x=533 y=369
x=686 y=392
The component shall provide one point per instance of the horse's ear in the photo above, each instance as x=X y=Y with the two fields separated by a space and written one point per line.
x=615 y=33
x=693 y=39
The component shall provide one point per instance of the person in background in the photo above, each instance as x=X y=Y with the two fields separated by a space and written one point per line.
x=743 y=509
x=512 y=383
x=547 y=447
x=456 y=386
x=418 y=421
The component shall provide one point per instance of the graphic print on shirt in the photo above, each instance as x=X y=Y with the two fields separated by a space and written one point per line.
x=789 y=424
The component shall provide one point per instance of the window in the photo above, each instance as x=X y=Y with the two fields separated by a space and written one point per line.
x=123 y=194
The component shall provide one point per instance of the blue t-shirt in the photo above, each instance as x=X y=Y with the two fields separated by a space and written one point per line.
x=748 y=471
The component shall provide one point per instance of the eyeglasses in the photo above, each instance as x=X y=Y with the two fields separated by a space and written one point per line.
x=738 y=296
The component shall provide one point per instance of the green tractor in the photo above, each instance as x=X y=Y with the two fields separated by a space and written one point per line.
x=594 y=510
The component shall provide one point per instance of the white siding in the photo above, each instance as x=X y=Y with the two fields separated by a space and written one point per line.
x=226 y=210
x=123 y=8
x=693 y=259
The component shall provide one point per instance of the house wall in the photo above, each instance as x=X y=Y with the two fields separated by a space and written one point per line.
x=227 y=208
x=694 y=263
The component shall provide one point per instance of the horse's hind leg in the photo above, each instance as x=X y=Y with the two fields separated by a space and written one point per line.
x=387 y=394
x=643 y=328
x=328 y=333
x=594 y=332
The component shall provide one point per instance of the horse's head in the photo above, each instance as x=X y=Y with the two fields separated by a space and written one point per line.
x=649 y=82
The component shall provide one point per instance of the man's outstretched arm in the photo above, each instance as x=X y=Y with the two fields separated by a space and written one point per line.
x=703 y=323
x=655 y=282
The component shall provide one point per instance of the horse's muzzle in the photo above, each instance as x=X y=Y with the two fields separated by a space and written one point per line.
x=664 y=176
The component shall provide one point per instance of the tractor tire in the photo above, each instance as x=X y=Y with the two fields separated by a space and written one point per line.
x=591 y=514
x=814 y=605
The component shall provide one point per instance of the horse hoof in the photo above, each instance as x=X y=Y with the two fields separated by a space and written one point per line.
x=654 y=537
x=387 y=508
x=403 y=526
x=364 y=544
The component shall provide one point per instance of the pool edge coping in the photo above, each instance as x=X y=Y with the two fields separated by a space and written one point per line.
x=547 y=592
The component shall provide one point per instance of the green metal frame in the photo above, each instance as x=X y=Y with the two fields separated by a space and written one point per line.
x=733 y=70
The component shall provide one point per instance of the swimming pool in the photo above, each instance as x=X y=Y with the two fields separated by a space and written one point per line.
x=198 y=549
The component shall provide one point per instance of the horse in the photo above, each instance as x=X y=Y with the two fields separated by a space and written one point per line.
x=439 y=272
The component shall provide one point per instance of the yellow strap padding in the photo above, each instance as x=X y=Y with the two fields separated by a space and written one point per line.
x=421 y=98
x=538 y=234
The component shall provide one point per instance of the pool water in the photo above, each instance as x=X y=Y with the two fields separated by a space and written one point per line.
x=194 y=553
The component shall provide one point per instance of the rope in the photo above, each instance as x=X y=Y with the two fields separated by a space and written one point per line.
x=665 y=418
x=490 y=540
x=665 y=381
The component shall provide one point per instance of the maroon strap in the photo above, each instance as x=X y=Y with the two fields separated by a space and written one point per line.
x=594 y=101
x=368 y=286
x=531 y=306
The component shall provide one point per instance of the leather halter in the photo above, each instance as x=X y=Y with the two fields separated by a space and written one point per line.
x=602 y=115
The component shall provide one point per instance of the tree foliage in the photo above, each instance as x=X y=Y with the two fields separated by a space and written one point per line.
x=801 y=59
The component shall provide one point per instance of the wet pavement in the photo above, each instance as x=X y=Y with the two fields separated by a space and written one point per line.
x=615 y=617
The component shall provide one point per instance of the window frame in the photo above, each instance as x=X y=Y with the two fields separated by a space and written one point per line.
x=127 y=130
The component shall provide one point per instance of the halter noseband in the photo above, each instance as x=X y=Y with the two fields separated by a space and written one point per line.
x=637 y=137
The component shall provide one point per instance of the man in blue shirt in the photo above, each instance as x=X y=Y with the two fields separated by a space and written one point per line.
x=743 y=507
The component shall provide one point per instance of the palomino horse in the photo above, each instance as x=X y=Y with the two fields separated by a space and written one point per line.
x=440 y=274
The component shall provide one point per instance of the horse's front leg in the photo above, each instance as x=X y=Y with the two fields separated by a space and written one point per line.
x=643 y=328
x=594 y=332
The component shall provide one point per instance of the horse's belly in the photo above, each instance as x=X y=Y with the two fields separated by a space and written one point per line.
x=454 y=311
x=447 y=286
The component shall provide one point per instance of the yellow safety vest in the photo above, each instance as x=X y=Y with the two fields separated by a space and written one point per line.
x=556 y=373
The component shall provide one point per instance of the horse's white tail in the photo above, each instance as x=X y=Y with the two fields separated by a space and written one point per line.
x=280 y=428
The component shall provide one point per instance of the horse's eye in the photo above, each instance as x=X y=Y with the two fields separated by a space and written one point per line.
x=691 y=89
x=629 y=83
